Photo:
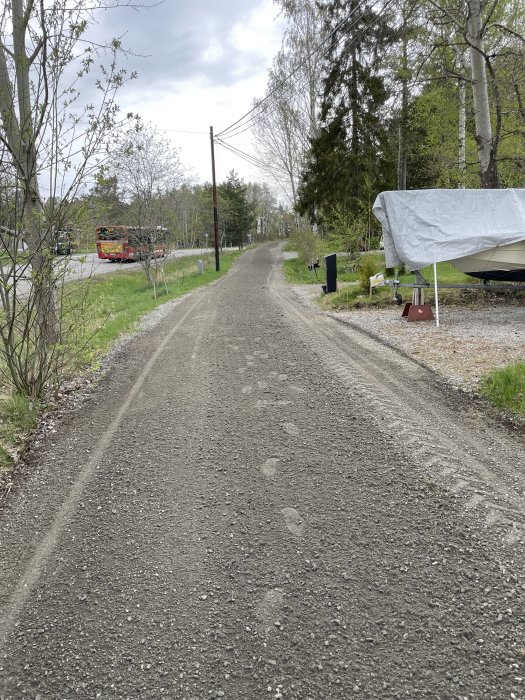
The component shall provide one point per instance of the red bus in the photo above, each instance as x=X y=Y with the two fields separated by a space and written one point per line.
x=131 y=242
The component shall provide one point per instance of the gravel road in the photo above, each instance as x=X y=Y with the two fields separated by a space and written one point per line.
x=260 y=502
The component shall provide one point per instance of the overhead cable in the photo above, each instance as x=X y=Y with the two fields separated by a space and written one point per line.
x=295 y=70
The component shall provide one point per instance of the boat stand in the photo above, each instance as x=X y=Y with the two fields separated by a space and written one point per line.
x=417 y=310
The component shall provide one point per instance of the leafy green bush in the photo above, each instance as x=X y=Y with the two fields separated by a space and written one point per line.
x=368 y=266
x=308 y=245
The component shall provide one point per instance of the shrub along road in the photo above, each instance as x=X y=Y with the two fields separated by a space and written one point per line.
x=260 y=502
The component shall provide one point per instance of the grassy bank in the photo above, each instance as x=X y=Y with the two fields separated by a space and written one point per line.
x=505 y=388
x=297 y=272
x=110 y=305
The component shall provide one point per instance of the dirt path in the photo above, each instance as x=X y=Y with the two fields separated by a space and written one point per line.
x=261 y=502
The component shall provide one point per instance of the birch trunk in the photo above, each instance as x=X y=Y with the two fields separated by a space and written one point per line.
x=21 y=138
x=402 y=145
x=484 y=138
x=462 y=130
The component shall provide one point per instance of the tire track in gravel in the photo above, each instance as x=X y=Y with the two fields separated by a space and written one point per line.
x=253 y=543
x=458 y=459
x=48 y=544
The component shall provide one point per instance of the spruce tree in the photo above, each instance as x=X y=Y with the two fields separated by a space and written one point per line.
x=352 y=144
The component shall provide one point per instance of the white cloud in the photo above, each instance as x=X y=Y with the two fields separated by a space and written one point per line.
x=201 y=64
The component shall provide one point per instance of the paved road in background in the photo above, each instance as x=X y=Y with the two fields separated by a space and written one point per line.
x=260 y=502
x=83 y=266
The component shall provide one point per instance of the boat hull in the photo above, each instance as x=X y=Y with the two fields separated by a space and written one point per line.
x=504 y=262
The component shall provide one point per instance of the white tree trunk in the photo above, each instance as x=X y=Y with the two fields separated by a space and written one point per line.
x=484 y=138
x=462 y=130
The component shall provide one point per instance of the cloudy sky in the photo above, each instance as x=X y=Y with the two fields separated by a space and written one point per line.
x=200 y=64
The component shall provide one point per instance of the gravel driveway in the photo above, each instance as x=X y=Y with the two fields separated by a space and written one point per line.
x=470 y=341
x=260 y=502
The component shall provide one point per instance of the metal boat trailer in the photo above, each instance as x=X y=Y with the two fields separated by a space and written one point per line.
x=417 y=310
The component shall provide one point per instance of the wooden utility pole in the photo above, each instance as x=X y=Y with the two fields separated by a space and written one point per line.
x=215 y=208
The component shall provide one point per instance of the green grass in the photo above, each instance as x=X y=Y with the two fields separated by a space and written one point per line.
x=98 y=312
x=505 y=388
x=18 y=416
x=115 y=302
x=296 y=272
x=353 y=296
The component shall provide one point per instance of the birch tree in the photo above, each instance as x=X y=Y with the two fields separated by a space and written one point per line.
x=148 y=168
x=50 y=146
x=474 y=35
x=287 y=118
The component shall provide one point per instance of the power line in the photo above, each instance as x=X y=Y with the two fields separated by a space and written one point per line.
x=257 y=118
x=294 y=71
x=253 y=161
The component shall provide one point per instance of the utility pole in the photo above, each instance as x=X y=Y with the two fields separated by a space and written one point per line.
x=215 y=208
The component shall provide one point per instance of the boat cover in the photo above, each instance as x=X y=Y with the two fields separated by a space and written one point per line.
x=421 y=227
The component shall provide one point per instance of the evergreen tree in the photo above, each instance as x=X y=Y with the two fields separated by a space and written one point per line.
x=352 y=145
x=238 y=213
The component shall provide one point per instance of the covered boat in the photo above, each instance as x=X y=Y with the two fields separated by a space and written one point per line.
x=503 y=262
x=481 y=232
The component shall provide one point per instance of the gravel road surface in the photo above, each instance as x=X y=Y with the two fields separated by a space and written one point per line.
x=260 y=502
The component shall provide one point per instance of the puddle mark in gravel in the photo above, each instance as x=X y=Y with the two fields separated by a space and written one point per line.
x=293 y=521
x=251 y=358
x=268 y=611
x=247 y=389
x=298 y=389
x=270 y=466
x=265 y=403
x=272 y=374
x=476 y=499
x=234 y=347
x=250 y=364
x=291 y=429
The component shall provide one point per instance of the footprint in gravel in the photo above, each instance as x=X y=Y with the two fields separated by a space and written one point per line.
x=282 y=377
x=262 y=385
x=293 y=521
x=270 y=466
x=241 y=370
x=268 y=611
x=291 y=429
x=247 y=389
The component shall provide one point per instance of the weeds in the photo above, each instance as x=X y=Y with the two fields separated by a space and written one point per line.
x=505 y=388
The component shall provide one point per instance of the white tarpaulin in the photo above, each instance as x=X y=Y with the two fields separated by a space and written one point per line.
x=421 y=227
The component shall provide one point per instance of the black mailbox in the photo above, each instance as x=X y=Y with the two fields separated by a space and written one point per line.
x=331 y=274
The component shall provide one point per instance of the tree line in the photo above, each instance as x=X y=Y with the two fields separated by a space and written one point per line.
x=368 y=95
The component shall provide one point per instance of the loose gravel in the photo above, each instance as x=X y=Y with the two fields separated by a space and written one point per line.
x=469 y=343
x=259 y=502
